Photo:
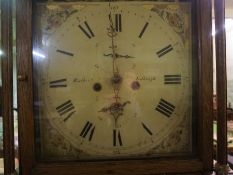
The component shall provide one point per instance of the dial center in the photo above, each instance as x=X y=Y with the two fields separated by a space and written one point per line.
x=116 y=79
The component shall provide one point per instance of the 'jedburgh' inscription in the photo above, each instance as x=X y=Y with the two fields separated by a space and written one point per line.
x=145 y=78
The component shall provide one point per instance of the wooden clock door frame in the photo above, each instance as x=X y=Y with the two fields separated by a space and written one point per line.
x=7 y=87
x=200 y=164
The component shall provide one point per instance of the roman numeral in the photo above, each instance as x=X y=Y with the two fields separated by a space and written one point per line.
x=165 y=108
x=172 y=79
x=58 y=83
x=88 y=32
x=117 y=138
x=143 y=30
x=118 y=23
x=147 y=129
x=88 y=129
x=65 y=52
x=66 y=109
x=165 y=50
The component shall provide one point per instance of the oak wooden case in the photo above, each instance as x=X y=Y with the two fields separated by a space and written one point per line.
x=198 y=163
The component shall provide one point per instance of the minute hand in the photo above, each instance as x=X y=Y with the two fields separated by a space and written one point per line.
x=118 y=56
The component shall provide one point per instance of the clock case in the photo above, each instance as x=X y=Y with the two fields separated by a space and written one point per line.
x=198 y=163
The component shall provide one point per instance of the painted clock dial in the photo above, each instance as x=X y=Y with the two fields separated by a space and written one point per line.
x=115 y=79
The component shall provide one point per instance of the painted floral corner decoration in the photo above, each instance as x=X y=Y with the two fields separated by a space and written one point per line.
x=175 y=16
x=178 y=141
x=57 y=18
x=56 y=146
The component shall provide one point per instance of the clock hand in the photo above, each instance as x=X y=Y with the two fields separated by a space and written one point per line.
x=112 y=34
x=124 y=56
x=115 y=109
x=106 y=55
x=118 y=56
x=116 y=79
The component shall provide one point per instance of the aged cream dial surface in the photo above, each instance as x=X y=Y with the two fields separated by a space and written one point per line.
x=116 y=80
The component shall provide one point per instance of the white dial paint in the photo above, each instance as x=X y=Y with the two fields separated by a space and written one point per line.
x=154 y=90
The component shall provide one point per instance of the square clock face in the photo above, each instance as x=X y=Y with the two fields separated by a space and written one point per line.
x=113 y=80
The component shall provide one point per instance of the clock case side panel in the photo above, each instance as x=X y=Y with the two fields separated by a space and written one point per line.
x=25 y=93
x=200 y=163
x=205 y=94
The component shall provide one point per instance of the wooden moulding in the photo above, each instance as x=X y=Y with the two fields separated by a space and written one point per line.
x=198 y=164
x=221 y=82
x=25 y=98
x=206 y=84
x=7 y=88
x=137 y=167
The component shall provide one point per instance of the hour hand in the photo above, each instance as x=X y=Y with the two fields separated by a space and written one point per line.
x=123 y=56
x=118 y=56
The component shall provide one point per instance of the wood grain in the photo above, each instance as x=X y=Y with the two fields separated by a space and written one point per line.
x=221 y=81
x=7 y=88
x=133 y=167
x=25 y=98
x=206 y=83
x=199 y=163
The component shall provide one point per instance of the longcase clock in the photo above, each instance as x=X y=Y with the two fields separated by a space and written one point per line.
x=114 y=87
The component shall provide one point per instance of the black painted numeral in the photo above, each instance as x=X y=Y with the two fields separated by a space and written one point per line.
x=58 y=83
x=65 y=52
x=118 y=23
x=165 y=108
x=143 y=30
x=117 y=138
x=88 y=129
x=147 y=129
x=165 y=50
x=66 y=109
x=88 y=32
x=172 y=79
